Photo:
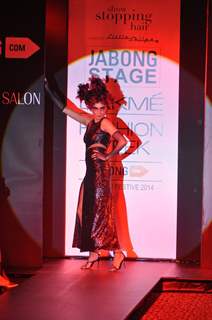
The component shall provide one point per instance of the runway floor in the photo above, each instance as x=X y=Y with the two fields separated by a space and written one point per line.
x=60 y=290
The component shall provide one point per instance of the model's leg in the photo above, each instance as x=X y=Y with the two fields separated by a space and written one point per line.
x=118 y=260
x=93 y=257
x=80 y=202
x=78 y=223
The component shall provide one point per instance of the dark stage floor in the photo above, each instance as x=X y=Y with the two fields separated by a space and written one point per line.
x=62 y=291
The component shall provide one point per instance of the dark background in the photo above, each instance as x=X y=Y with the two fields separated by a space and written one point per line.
x=22 y=138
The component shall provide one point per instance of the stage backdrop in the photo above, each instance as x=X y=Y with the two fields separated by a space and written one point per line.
x=138 y=44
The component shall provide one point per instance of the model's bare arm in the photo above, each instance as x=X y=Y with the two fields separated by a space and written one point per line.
x=72 y=111
x=80 y=116
x=121 y=142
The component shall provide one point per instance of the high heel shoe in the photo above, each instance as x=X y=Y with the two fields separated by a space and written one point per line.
x=90 y=262
x=5 y=282
x=118 y=261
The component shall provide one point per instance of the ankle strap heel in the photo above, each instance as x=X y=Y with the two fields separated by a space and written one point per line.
x=118 y=261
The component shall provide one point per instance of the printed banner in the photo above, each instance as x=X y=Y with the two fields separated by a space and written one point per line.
x=22 y=42
x=136 y=42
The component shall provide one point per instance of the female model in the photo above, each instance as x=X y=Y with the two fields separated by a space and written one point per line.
x=95 y=227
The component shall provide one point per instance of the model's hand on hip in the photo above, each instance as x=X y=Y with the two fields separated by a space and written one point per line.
x=99 y=155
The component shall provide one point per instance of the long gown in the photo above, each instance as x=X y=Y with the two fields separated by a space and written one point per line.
x=96 y=229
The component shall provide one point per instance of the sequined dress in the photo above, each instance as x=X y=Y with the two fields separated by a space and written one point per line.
x=96 y=229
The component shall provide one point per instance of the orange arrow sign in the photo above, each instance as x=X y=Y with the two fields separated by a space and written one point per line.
x=19 y=48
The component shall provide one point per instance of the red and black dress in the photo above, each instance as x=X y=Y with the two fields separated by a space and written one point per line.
x=97 y=229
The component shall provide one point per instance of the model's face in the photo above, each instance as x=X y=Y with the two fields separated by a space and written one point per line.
x=99 y=110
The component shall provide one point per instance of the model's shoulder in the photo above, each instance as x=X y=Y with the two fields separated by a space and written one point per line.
x=105 y=121
x=108 y=126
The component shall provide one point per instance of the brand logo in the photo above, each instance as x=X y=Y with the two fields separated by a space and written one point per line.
x=138 y=21
x=18 y=48
x=18 y=98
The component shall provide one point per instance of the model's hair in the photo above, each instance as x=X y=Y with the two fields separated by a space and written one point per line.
x=100 y=90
